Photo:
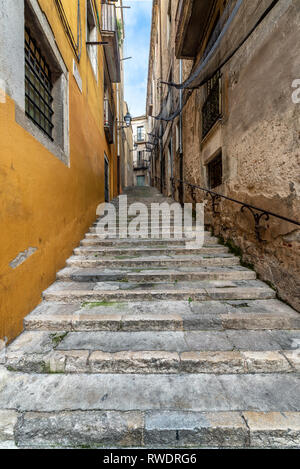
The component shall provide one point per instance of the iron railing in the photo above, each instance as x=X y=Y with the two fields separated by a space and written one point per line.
x=258 y=214
x=38 y=86
x=141 y=164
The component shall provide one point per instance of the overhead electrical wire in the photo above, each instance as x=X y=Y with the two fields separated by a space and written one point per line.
x=205 y=62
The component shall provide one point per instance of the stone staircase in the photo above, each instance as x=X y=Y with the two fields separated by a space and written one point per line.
x=143 y=343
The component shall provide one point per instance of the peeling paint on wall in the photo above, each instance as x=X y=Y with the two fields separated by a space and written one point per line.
x=22 y=257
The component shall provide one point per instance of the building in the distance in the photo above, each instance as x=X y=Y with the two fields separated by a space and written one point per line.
x=141 y=153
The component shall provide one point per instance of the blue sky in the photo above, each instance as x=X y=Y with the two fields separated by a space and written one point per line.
x=137 y=40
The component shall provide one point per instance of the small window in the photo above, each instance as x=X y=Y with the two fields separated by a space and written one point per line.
x=38 y=86
x=91 y=34
x=215 y=171
x=140 y=133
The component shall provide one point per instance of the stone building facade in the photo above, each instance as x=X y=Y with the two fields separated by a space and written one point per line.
x=141 y=174
x=238 y=132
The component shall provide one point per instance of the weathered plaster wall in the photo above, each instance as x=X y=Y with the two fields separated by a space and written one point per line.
x=260 y=139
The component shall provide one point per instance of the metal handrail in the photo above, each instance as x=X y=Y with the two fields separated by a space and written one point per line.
x=216 y=197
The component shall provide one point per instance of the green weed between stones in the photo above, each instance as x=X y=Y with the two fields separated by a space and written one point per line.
x=96 y=304
x=57 y=338
x=236 y=250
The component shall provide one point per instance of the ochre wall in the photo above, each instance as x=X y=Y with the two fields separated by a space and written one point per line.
x=43 y=203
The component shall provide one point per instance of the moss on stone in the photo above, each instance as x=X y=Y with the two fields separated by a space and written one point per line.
x=96 y=304
x=57 y=338
x=236 y=250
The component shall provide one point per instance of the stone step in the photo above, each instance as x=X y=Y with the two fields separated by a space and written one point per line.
x=209 y=352
x=153 y=362
x=156 y=429
x=153 y=275
x=148 y=235
x=199 y=392
x=154 y=251
x=148 y=230
x=154 y=261
x=125 y=291
x=93 y=239
x=163 y=316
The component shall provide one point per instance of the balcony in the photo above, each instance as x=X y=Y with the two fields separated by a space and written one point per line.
x=141 y=164
x=108 y=121
x=191 y=19
x=109 y=33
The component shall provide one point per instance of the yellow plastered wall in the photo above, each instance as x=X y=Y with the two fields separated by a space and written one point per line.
x=45 y=205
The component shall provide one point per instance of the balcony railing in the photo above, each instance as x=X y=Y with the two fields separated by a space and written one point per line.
x=108 y=121
x=109 y=33
x=212 y=108
x=141 y=164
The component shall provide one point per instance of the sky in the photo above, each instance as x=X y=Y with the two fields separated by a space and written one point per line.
x=137 y=42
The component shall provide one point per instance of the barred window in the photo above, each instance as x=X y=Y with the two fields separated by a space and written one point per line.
x=38 y=86
x=212 y=107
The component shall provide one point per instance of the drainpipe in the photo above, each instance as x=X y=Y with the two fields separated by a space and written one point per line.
x=181 y=199
x=161 y=103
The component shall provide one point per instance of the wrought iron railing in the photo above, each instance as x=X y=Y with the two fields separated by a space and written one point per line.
x=141 y=164
x=258 y=214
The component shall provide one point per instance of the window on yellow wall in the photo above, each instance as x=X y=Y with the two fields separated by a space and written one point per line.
x=91 y=36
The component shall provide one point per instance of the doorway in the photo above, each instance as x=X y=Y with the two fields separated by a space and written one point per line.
x=140 y=180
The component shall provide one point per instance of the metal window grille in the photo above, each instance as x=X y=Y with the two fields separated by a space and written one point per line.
x=38 y=86
x=215 y=172
x=212 y=108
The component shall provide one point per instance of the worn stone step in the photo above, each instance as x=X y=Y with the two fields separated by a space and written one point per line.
x=152 y=362
x=154 y=261
x=147 y=230
x=163 y=316
x=189 y=291
x=198 y=392
x=154 y=251
x=93 y=239
x=174 y=352
x=155 y=275
x=180 y=236
x=159 y=429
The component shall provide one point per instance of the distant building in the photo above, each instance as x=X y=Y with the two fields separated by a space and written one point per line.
x=141 y=159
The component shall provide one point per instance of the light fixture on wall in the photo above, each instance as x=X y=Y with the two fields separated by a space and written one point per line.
x=127 y=120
